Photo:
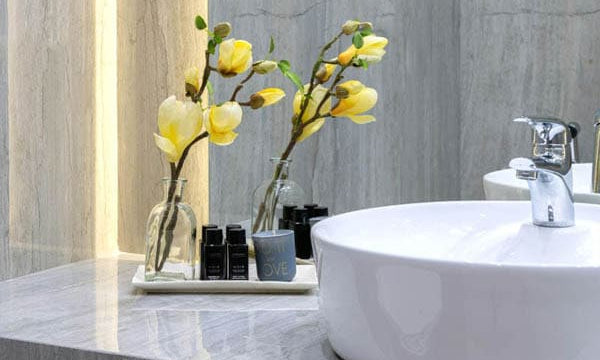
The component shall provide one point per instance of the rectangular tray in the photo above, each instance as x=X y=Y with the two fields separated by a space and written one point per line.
x=305 y=280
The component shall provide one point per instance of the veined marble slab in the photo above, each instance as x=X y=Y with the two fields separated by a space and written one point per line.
x=90 y=310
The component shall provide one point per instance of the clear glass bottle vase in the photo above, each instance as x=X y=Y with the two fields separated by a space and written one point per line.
x=270 y=197
x=171 y=237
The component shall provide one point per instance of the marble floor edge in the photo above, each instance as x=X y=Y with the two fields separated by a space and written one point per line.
x=28 y=350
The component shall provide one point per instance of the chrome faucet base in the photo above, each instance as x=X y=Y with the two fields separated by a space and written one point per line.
x=552 y=200
x=553 y=224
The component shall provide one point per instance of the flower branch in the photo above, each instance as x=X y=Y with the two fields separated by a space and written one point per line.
x=181 y=123
x=241 y=85
x=312 y=103
x=205 y=75
x=315 y=69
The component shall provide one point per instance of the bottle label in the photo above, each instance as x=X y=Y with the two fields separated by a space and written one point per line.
x=238 y=264
x=215 y=264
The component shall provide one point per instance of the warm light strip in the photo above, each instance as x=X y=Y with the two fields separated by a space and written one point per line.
x=106 y=177
x=106 y=199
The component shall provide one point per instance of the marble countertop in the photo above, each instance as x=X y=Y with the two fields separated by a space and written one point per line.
x=90 y=307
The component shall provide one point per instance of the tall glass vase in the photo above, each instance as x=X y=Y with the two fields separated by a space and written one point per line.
x=270 y=197
x=171 y=237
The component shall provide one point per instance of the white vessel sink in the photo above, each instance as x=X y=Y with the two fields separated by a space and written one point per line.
x=503 y=185
x=460 y=281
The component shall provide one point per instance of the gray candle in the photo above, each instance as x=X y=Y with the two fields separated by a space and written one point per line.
x=275 y=255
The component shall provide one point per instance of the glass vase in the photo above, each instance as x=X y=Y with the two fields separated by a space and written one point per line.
x=171 y=237
x=270 y=197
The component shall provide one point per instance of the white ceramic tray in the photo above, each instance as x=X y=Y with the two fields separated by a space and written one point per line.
x=306 y=279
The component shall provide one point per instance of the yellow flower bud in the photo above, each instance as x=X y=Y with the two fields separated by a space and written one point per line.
x=325 y=72
x=192 y=80
x=359 y=100
x=319 y=92
x=264 y=66
x=266 y=97
x=220 y=121
x=179 y=123
x=372 y=50
x=235 y=57
x=222 y=29
x=350 y=27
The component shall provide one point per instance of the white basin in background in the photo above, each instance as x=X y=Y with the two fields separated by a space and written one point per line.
x=460 y=281
x=503 y=185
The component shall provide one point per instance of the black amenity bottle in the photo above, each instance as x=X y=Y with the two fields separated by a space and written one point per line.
x=202 y=268
x=229 y=227
x=285 y=222
x=302 y=233
x=214 y=262
x=237 y=254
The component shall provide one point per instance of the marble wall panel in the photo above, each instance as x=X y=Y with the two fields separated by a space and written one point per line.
x=523 y=57
x=409 y=154
x=51 y=133
x=4 y=205
x=157 y=41
x=455 y=73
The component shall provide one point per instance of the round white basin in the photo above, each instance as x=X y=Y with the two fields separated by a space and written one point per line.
x=503 y=185
x=460 y=281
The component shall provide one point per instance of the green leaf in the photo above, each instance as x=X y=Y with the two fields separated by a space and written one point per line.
x=295 y=79
x=212 y=45
x=218 y=39
x=200 y=23
x=271 y=45
x=363 y=63
x=284 y=66
x=357 y=40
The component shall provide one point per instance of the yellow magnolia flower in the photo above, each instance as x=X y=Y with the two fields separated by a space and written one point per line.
x=221 y=120
x=318 y=94
x=235 y=57
x=266 y=97
x=325 y=72
x=192 y=78
x=371 y=51
x=179 y=123
x=359 y=99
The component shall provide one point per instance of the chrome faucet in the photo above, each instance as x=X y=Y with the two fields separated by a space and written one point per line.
x=548 y=172
x=596 y=159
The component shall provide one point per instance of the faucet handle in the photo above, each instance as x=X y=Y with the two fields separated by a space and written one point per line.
x=547 y=130
x=551 y=148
